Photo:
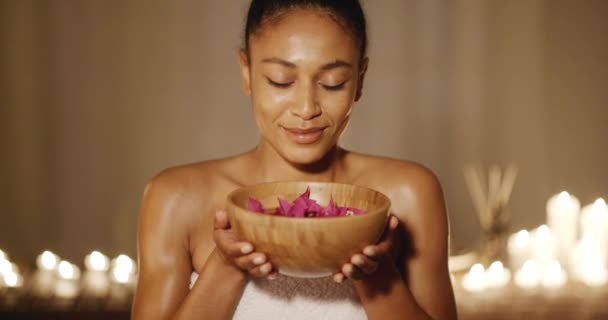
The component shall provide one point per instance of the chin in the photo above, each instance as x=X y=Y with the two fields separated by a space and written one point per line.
x=304 y=155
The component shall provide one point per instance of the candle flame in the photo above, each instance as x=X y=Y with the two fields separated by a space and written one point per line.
x=600 y=205
x=477 y=269
x=97 y=261
x=121 y=275
x=3 y=255
x=68 y=271
x=13 y=279
x=543 y=232
x=48 y=260
x=124 y=263
x=522 y=238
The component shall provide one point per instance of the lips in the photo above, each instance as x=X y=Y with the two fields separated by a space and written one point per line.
x=304 y=135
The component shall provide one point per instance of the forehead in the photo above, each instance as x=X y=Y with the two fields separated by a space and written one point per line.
x=303 y=34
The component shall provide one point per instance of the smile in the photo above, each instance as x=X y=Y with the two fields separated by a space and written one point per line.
x=304 y=136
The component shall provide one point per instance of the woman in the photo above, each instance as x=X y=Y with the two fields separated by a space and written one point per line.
x=303 y=66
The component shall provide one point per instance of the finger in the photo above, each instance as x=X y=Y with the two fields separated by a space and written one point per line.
x=365 y=264
x=273 y=275
x=250 y=261
x=229 y=246
x=261 y=271
x=338 y=277
x=351 y=271
x=386 y=241
x=221 y=220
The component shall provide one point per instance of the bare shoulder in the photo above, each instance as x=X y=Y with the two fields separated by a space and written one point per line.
x=402 y=176
x=415 y=193
x=184 y=193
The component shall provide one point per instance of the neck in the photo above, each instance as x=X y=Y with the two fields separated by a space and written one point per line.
x=271 y=166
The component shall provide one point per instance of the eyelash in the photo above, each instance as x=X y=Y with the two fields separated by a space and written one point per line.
x=287 y=84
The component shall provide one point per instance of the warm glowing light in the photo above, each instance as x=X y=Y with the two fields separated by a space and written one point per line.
x=96 y=261
x=68 y=271
x=47 y=261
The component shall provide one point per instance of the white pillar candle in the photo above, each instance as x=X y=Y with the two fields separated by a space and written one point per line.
x=475 y=279
x=519 y=248
x=588 y=262
x=562 y=218
x=554 y=276
x=543 y=246
x=497 y=275
x=528 y=276
x=594 y=224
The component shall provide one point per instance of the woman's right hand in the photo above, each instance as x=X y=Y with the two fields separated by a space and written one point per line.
x=239 y=254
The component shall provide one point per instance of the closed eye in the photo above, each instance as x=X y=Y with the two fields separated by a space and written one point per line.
x=334 y=88
x=279 y=84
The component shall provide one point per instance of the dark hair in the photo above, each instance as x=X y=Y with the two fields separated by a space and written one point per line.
x=346 y=12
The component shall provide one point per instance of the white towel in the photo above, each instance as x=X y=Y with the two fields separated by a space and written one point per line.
x=297 y=299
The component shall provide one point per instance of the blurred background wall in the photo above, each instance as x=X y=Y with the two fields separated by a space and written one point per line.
x=97 y=96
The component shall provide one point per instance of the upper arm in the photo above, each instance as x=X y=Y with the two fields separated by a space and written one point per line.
x=421 y=207
x=163 y=255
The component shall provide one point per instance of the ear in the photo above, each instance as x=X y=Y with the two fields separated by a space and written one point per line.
x=362 y=72
x=245 y=72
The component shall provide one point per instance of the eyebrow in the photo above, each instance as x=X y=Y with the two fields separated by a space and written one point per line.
x=328 y=66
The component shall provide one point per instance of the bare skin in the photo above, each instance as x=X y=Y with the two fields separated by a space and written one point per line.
x=302 y=72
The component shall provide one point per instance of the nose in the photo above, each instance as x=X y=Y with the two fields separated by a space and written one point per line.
x=306 y=105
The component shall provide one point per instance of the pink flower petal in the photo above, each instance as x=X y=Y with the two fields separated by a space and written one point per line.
x=298 y=209
x=255 y=206
x=284 y=207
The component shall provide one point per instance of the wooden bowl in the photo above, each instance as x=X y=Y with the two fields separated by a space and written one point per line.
x=308 y=247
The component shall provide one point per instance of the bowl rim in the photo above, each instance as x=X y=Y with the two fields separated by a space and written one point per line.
x=384 y=208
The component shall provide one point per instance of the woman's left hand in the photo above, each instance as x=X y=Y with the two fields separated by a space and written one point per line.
x=366 y=262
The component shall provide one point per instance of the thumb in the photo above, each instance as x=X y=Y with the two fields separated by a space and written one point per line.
x=221 y=220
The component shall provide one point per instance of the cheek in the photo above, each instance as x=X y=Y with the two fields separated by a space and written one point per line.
x=338 y=104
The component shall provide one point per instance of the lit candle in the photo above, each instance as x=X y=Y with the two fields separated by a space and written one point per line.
x=543 y=246
x=594 y=224
x=519 y=246
x=554 y=276
x=95 y=279
x=528 y=275
x=588 y=262
x=562 y=218
x=67 y=285
x=68 y=271
x=47 y=261
x=13 y=279
x=497 y=275
x=123 y=270
x=96 y=261
x=475 y=280
x=7 y=267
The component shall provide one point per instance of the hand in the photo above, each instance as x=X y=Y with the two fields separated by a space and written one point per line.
x=238 y=254
x=367 y=262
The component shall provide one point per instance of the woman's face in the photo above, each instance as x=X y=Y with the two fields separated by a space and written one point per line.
x=303 y=75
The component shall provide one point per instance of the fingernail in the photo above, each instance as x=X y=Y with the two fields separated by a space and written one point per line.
x=272 y=277
x=357 y=260
x=259 y=260
x=347 y=270
x=369 y=252
x=246 y=248
x=339 y=278
x=265 y=268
